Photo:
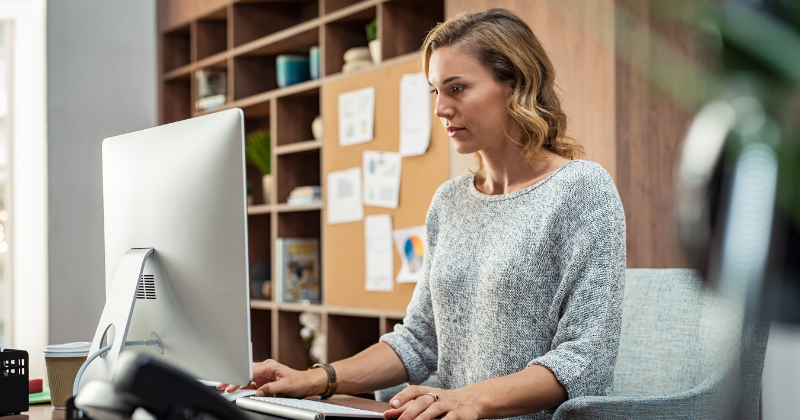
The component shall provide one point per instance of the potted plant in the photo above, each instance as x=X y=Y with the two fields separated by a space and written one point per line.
x=259 y=153
x=374 y=42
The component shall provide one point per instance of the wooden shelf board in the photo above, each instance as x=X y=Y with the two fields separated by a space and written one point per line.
x=179 y=72
x=299 y=88
x=300 y=307
x=356 y=9
x=298 y=147
x=285 y=208
x=368 y=313
x=275 y=93
x=303 y=33
x=323 y=309
x=386 y=63
x=259 y=209
x=261 y=304
x=219 y=59
x=218 y=14
x=228 y=105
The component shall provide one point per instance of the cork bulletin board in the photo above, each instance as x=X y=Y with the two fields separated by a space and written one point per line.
x=343 y=244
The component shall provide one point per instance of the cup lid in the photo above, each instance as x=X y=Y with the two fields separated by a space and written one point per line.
x=77 y=349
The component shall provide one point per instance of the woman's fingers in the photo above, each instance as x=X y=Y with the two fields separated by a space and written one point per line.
x=407 y=394
x=394 y=413
x=417 y=406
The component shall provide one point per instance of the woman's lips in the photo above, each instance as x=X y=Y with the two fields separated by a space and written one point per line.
x=453 y=131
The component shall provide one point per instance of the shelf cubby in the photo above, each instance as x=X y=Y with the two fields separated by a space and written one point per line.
x=253 y=74
x=176 y=48
x=345 y=33
x=257 y=19
x=259 y=238
x=254 y=66
x=261 y=334
x=404 y=25
x=212 y=34
x=348 y=335
x=256 y=117
x=291 y=349
x=299 y=224
x=177 y=104
x=296 y=113
x=296 y=170
x=389 y=323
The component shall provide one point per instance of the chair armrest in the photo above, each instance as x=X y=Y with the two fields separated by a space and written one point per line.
x=708 y=400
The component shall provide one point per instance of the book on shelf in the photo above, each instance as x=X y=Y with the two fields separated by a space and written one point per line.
x=307 y=194
x=298 y=270
x=212 y=88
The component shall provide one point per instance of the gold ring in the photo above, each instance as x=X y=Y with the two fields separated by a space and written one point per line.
x=435 y=396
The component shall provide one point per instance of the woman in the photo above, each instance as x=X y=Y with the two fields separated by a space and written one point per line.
x=518 y=305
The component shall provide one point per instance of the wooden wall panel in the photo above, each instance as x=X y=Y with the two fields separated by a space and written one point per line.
x=343 y=244
x=579 y=38
x=652 y=117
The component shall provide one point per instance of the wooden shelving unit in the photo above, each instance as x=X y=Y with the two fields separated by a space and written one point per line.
x=245 y=37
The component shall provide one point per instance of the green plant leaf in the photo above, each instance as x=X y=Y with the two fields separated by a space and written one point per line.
x=258 y=149
x=372 y=30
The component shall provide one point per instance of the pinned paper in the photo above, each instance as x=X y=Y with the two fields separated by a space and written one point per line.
x=344 y=196
x=379 y=255
x=381 y=179
x=410 y=243
x=356 y=116
x=415 y=114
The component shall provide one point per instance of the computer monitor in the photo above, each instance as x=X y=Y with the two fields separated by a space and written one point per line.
x=176 y=259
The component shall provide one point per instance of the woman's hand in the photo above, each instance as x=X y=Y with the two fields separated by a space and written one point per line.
x=416 y=402
x=271 y=378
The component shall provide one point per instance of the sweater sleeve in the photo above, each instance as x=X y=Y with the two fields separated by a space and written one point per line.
x=586 y=313
x=415 y=340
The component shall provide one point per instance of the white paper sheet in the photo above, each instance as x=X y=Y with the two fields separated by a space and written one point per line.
x=344 y=196
x=381 y=179
x=356 y=116
x=410 y=244
x=379 y=255
x=415 y=114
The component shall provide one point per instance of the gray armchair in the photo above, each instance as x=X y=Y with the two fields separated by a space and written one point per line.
x=678 y=355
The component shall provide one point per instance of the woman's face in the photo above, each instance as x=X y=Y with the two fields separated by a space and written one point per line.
x=470 y=103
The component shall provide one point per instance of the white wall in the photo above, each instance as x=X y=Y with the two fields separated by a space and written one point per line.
x=28 y=304
x=101 y=76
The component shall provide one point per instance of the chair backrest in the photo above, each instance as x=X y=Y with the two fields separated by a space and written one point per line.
x=675 y=333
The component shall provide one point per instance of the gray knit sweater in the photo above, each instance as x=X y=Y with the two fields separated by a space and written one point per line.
x=534 y=277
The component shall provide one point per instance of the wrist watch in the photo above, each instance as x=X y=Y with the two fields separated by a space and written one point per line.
x=332 y=385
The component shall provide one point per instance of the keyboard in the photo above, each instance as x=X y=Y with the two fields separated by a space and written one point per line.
x=303 y=409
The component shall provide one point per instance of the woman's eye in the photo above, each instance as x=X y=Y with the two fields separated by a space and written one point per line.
x=434 y=91
x=458 y=89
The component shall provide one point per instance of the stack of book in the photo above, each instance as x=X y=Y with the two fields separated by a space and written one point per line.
x=212 y=88
x=308 y=194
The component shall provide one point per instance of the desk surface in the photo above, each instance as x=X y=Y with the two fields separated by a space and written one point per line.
x=46 y=412
x=40 y=412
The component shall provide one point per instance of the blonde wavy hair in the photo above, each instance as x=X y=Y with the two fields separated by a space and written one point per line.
x=506 y=45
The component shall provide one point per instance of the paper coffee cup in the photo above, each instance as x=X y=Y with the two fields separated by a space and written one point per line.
x=63 y=362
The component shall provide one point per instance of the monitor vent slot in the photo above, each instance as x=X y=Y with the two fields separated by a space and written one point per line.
x=147 y=287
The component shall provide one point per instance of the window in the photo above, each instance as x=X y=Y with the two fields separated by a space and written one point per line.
x=5 y=141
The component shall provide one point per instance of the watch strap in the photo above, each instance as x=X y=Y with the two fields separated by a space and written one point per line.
x=332 y=385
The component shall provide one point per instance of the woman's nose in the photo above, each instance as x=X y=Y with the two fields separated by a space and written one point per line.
x=443 y=108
